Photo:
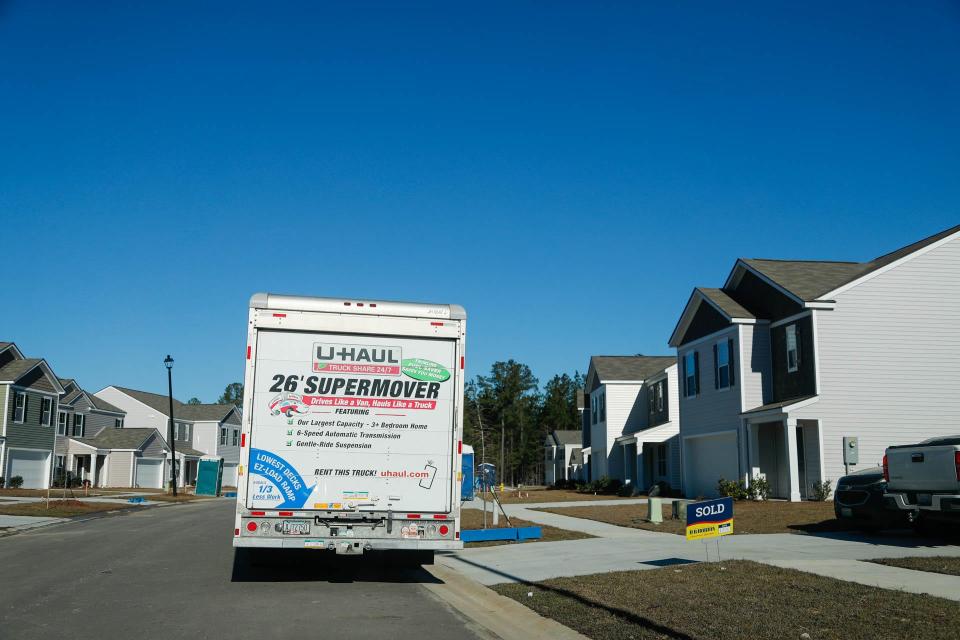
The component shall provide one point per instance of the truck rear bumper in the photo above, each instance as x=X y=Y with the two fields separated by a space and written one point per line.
x=354 y=546
x=938 y=502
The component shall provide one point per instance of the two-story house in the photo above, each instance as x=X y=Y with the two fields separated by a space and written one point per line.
x=790 y=357
x=81 y=415
x=200 y=430
x=558 y=451
x=631 y=408
x=29 y=395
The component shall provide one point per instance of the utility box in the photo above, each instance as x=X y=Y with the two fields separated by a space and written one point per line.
x=851 y=450
x=209 y=477
x=466 y=467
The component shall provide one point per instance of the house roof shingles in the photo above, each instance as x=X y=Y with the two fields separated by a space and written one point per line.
x=15 y=369
x=567 y=437
x=728 y=305
x=630 y=367
x=132 y=438
x=811 y=279
x=181 y=411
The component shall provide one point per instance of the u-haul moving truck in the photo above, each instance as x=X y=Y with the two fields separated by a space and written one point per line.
x=352 y=423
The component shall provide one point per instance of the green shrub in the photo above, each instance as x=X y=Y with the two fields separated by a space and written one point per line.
x=732 y=489
x=16 y=482
x=759 y=488
x=822 y=490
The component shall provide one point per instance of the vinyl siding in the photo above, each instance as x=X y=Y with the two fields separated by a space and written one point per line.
x=154 y=448
x=137 y=413
x=4 y=389
x=711 y=410
x=30 y=434
x=37 y=380
x=890 y=359
x=205 y=437
x=754 y=365
x=228 y=452
x=118 y=469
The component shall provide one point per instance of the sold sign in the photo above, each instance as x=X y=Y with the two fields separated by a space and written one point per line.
x=710 y=519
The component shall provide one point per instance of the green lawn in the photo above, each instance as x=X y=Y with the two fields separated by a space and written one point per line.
x=731 y=601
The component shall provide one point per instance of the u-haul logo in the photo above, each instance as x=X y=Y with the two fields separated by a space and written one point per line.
x=356 y=358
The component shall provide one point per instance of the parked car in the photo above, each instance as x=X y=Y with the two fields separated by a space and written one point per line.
x=859 y=501
x=923 y=479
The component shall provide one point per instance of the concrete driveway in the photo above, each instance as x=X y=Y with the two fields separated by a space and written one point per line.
x=169 y=573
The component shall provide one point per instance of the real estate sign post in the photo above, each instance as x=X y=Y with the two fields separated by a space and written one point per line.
x=709 y=519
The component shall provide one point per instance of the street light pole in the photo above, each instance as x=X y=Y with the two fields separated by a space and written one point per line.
x=168 y=361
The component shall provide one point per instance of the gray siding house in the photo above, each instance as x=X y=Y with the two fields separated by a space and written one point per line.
x=558 y=450
x=82 y=415
x=207 y=430
x=29 y=394
x=789 y=357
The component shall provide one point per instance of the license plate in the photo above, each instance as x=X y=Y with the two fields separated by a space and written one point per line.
x=296 y=527
x=846 y=512
x=924 y=499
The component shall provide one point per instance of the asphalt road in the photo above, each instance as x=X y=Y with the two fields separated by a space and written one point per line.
x=169 y=572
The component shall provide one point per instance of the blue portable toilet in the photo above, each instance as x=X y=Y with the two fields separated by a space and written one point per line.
x=466 y=487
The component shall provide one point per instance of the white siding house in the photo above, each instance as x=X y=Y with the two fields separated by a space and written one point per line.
x=819 y=351
x=630 y=414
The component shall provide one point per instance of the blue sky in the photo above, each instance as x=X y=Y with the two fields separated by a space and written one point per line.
x=567 y=172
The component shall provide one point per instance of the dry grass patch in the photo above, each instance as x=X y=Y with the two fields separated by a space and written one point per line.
x=937 y=564
x=532 y=496
x=749 y=517
x=473 y=519
x=60 y=508
x=738 y=599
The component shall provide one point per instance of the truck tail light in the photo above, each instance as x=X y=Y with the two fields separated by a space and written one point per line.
x=956 y=462
x=444 y=529
x=251 y=526
x=886 y=469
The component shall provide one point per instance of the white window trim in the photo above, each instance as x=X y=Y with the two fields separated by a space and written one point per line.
x=726 y=345
x=788 y=330
x=66 y=422
x=23 y=409
x=49 y=421
x=689 y=372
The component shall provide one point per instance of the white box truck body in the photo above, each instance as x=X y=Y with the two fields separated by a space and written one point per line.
x=352 y=425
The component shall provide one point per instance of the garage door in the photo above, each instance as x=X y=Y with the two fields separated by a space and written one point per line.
x=149 y=473
x=706 y=460
x=229 y=475
x=29 y=465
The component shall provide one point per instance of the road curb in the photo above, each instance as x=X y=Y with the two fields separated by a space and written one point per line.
x=498 y=614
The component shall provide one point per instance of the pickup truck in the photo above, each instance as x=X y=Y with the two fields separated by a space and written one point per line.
x=924 y=479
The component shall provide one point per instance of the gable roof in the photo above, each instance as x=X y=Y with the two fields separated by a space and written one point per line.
x=102 y=405
x=181 y=411
x=567 y=437
x=16 y=369
x=7 y=345
x=203 y=412
x=807 y=280
x=810 y=280
x=576 y=457
x=155 y=401
x=96 y=403
x=722 y=301
x=132 y=438
x=634 y=368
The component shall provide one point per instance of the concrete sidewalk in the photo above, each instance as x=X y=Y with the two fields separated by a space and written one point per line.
x=622 y=548
x=21 y=523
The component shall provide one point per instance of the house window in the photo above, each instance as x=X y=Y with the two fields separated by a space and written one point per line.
x=236 y=437
x=721 y=352
x=793 y=352
x=593 y=408
x=662 y=460
x=661 y=389
x=79 y=425
x=691 y=374
x=118 y=423
x=19 y=406
x=603 y=407
x=46 y=411
x=223 y=436
x=61 y=423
